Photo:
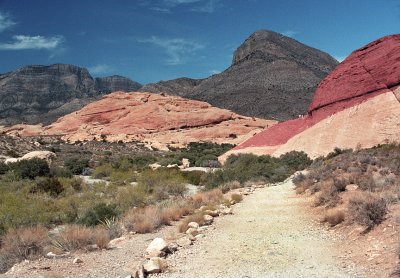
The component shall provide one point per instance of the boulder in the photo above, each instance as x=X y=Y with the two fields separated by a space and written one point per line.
x=208 y=219
x=154 y=265
x=192 y=231
x=77 y=260
x=184 y=242
x=157 y=245
x=193 y=225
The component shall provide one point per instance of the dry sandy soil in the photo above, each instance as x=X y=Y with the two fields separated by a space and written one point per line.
x=270 y=234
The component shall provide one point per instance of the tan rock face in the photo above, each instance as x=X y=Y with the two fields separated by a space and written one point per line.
x=158 y=120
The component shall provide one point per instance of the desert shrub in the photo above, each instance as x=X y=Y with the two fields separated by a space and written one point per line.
x=112 y=226
x=101 y=237
x=102 y=171
x=208 y=160
x=25 y=243
x=99 y=213
x=328 y=194
x=31 y=168
x=73 y=237
x=143 y=220
x=131 y=196
x=194 y=177
x=207 y=198
x=3 y=168
x=12 y=153
x=197 y=217
x=60 y=172
x=122 y=177
x=337 y=151
x=169 y=161
x=236 y=197
x=141 y=162
x=162 y=182
x=50 y=185
x=367 y=209
x=225 y=187
x=76 y=165
x=295 y=160
x=334 y=217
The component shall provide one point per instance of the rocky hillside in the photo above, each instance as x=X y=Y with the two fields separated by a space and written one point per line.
x=41 y=94
x=157 y=120
x=271 y=76
x=357 y=105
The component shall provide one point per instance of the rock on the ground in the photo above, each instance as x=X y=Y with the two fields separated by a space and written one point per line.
x=157 y=245
x=193 y=225
x=208 y=219
x=192 y=231
x=154 y=265
x=184 y=242
x=77 y=261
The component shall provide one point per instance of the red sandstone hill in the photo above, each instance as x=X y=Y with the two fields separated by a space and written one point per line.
x=357 y=105
x=156 y=119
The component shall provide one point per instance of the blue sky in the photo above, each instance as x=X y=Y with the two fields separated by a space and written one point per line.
x=149 y=41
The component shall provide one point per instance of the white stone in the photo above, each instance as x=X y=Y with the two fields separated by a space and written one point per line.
x=208 y=219
x=154 y=265
x=184 y=242
x=192 y=231
x=194 y=225
x=77 y=261
x=158 y=244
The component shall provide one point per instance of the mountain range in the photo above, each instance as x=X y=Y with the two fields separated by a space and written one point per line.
x=272 y=76
x=42 y=94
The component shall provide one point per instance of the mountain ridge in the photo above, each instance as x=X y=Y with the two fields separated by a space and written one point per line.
x=271 y=76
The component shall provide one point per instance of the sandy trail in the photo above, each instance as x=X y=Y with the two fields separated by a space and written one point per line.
x=269 y=235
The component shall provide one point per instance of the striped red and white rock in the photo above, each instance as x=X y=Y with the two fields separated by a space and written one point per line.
x=357 y=105
x=156 y=119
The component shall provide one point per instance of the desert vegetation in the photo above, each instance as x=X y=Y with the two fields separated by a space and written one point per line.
x=355 y=186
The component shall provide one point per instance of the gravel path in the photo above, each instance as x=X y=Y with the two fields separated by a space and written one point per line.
x=269 y=235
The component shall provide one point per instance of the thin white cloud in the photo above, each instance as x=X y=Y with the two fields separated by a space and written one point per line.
x=178 y=50
x=5 y=22
x=173 y=3
x=207 y=7
x=22 y=42
x=290 y=33
x=100 y=69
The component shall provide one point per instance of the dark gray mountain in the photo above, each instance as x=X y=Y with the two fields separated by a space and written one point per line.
x=271 y=76
x=41 y=94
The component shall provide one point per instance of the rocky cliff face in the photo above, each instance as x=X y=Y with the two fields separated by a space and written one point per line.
x=157 y=120
x=271 y=76
x=41 y=94
x=357 y=105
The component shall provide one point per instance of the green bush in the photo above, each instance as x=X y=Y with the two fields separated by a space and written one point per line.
x=208 y=160
x=99 y=213
x=29 y=169
x=194 y=177
x=296 y=160
x=3 y=168
x=76 y=165
x=162 y=182
x=50 y=185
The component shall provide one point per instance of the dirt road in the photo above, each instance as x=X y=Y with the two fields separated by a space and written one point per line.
x=269 y=235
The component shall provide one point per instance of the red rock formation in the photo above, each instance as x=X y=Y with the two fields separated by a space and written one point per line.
x=158 y=120
x=366 y=74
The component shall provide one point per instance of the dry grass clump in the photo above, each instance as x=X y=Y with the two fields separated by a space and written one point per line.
x=205 y=198
x=236 y=197
x=75 y=237
x=367 y=209
x=143 y=220
x=334 y=217
x=197 y=217
x=25 y=243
